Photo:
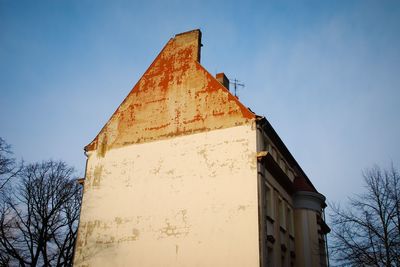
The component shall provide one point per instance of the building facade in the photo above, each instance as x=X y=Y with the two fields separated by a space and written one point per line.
x=183 y=174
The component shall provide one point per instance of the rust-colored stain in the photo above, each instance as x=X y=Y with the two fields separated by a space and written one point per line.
x=175 y=96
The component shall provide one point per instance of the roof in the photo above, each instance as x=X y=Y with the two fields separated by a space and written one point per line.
x=301 y=182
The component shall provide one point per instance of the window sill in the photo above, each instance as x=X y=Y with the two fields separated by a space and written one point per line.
x=269 y=218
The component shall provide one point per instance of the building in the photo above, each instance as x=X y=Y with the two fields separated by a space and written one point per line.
x=183 y=174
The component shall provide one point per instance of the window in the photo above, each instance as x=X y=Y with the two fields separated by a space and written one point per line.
x=290 y=220
x=283 y=164
x=283 y=260
x=269 y=148
x=274 y=154
x=282 y=213
x=290 y=175
x=266 y=145
x=269 y=201
x=270 y=257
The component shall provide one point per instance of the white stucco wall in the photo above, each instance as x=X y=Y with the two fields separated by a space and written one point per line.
x=186 y=201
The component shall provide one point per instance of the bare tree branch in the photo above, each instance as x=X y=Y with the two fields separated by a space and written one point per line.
x=39 y=216
x=8 y=167
x=366 y=232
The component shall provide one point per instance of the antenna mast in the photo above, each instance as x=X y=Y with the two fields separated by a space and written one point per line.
x=236 y=83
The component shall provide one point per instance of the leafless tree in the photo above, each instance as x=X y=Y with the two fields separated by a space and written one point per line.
x=8 y=166
x=39 y=217
x=367 y=231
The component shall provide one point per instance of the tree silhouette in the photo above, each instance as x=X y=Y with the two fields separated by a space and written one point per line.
x=8 y=166
x=367 y=231
x=39 y=216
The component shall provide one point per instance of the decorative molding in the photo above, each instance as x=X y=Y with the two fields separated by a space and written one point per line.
x=309 y=200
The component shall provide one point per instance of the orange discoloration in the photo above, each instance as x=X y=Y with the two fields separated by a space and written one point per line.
x=154 y=101
x=158 y=127
x=176 y=96
x=218 y=113
x=197 y=117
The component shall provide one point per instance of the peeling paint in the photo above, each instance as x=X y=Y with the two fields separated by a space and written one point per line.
x=179 y=228
x=176 y=96
x=172 y=173
x=194 y=191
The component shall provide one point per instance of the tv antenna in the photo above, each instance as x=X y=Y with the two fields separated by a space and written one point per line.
x=236 y=83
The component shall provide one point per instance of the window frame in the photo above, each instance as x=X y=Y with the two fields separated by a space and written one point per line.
x=269 y=199
x=282 y=213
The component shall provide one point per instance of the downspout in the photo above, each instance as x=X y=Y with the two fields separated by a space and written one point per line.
x=260 y=179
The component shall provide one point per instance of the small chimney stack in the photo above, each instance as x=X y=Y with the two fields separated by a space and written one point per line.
x=221 y=77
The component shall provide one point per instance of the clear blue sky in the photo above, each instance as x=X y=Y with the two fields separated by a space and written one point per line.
x=326 y=74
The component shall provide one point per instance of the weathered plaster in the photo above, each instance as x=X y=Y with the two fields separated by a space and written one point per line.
x=175 y=96
x=186 y=201
x=171 y=179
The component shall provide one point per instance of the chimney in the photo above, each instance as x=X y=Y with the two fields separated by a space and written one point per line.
x=190 y=40
x=221 y=77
